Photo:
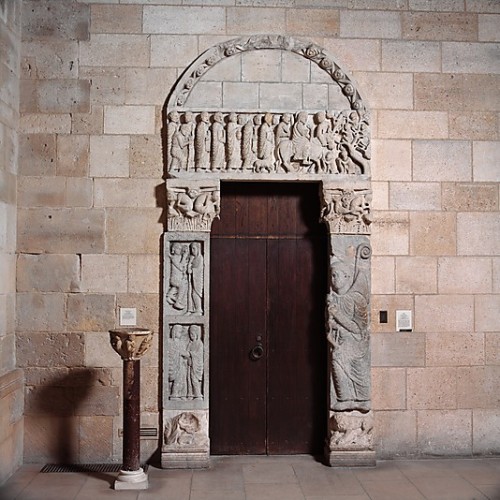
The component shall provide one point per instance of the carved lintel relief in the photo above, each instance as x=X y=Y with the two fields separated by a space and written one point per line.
x=348 y=335
x=192 y=206
x=346 y=209
x=325 y=142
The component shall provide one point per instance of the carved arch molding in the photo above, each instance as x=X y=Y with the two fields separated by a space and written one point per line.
x=205 y=147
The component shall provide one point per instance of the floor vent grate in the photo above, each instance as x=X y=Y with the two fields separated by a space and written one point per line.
x=85 y=468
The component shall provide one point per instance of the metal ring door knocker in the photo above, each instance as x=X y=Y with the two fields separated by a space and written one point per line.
x=257 y=350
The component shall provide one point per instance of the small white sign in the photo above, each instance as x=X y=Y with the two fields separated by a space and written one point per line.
x=404 y=321
x=128 y=316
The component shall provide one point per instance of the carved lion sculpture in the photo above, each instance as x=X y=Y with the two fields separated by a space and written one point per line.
x=351 y=430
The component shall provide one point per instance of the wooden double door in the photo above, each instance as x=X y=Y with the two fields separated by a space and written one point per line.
x=268 y=360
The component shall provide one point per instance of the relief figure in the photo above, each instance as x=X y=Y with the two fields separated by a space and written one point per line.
x=218 y=143
x=195 y=363
x=177 y=293
x=348 y=336
x=177 y=363
x=195 y=275
x=202 y=142
x=233 y=148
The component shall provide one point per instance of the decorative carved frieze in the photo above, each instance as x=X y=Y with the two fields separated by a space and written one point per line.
x=185 y=277
x=331 y=143
x=346 y=210
x=308 y=50
x=192 y=207
x=185 y=362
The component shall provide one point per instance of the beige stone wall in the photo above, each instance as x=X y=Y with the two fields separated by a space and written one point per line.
x=11 y=380
x=95 y=77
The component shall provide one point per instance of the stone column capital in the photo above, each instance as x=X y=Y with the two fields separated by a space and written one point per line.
x=131 y=343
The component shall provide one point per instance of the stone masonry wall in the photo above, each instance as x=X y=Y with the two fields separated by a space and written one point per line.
x=95 y=77
x=11 y=379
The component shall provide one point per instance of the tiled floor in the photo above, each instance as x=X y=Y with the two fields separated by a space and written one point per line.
x=276 y=478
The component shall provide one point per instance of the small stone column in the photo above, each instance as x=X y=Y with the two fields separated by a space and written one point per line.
x=131 y=344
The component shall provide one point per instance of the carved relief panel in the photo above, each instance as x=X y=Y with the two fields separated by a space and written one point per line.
x=348 y=335
x=325 y=142
x=186 y=362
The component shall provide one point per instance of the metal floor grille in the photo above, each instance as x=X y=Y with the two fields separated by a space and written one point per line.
x=85 y=468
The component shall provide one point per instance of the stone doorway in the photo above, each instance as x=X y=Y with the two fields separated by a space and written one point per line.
x=206 y=146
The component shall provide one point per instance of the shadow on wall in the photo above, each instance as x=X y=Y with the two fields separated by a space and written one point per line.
x=71 y=415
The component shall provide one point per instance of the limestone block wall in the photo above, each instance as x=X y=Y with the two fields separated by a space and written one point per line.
x=94 y=80
x=11 y=379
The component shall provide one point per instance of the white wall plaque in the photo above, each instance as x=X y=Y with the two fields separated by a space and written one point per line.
x=404 y=321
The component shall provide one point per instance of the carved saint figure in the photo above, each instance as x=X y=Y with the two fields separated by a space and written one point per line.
x=347 y=306
x=177 y=293
x=195 y=276
x=177 y=363
x=179 y=151
x=266 y=144
x=202 y=142
x=233 y=143
x=218 y=143
x=195 y=363
x=189 y=121
x=172 y=128
x=301 y=135
x=247 y=154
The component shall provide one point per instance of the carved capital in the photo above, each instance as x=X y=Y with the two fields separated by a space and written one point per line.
x=192 y=205
x=346 y=210
x=131 y=343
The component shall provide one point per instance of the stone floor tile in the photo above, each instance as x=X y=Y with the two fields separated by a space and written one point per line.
x=345 y=482
x=447 y=488
x=221 y=477
x=333 y=496
x=55 y=486
x=477 y=471
x=385 y=470
x=392 y=488
x=427 y=468
x=276 y=491
x=490 y=490
x=269 y=473
x=172 y=485
x=217 y=495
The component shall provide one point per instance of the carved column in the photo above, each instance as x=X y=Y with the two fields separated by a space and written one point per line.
x=131 y=344
x=192 y=207
x=347 y=212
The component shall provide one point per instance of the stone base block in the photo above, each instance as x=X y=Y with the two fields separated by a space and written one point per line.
x=362 y=458
x=185 y=460
x=132 y=480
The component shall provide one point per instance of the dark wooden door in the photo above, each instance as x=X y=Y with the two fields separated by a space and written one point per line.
x=267 y=295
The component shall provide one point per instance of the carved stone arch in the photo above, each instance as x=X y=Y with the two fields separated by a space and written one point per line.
x=207 y=146
x=311 y=51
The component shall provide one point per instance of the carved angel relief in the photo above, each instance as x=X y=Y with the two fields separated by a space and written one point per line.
x=320 y=143
x=185 y=277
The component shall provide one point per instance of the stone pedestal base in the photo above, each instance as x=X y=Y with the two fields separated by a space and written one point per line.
x=131 y=480
x=185 y=460
x=360 y=458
